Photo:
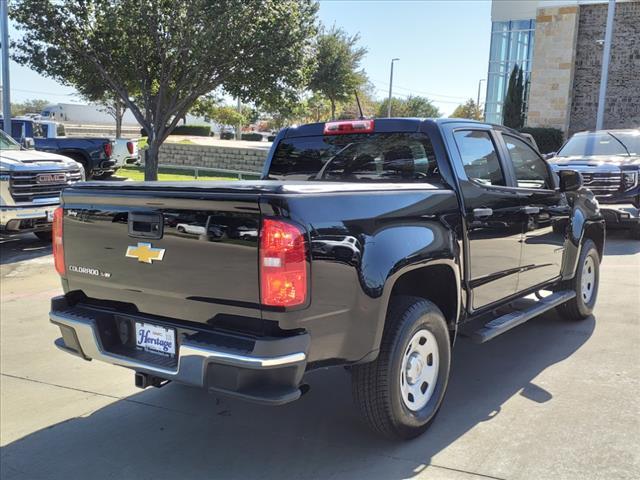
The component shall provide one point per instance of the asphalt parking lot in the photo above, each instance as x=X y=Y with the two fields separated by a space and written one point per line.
x=550 y=399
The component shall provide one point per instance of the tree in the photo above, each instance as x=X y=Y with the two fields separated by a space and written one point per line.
x=29 y=106
x=227 y=116
x=468 y=110
x=337 y=74
x=171 y=51
x=210 y=106
x=366 y=94
x=114 y=106
x=87 y=81
x=512 y=110
x=412 y=106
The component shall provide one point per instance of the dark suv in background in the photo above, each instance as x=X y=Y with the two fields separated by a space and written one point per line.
x=609 y=161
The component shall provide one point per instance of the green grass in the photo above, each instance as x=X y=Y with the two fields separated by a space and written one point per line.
x=168 y=175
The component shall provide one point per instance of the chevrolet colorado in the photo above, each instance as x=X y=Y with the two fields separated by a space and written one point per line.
x=368 y=244
x=30 y=185
x=609 y=161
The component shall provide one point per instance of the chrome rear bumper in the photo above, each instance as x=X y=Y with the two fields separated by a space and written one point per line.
x=271 y=377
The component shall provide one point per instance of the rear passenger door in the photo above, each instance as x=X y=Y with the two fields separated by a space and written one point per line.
x=492 y=212
x=543 y=206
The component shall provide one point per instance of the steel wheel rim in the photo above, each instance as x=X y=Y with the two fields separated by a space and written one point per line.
x=419 y=370
x=588 y=280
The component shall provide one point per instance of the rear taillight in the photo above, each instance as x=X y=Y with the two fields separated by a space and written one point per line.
x=58 y=249
x=347 y=127
x=283 y=264
x=130 y=147
x=108 y=148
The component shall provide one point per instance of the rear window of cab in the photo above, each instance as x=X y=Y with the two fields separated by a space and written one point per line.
x=383 y=157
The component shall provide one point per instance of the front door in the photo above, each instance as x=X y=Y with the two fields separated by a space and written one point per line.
x=493 y=216
x=545 y=213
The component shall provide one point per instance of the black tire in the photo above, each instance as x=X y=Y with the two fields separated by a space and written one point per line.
x=45 y=236
x=377 y=385
x=181 y=229
x=82 y=161
x=580 y=307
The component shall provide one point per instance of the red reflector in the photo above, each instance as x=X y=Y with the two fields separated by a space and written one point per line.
x=283 y=264
x=58 y=249
x=350 y=126
x=130 y=147
x=108 y=148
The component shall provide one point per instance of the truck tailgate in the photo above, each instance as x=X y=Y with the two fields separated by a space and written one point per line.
x=190 y=256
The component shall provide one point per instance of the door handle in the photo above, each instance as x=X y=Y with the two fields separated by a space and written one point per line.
x=482 y=212
x=529 y=210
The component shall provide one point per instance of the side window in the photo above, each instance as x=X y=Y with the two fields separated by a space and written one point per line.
x=531 y=171
x=479 y=157
x=39 y=130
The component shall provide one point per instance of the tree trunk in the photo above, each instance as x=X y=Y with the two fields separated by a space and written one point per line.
x=151 y=159
x=333 y=109
x=119 y=115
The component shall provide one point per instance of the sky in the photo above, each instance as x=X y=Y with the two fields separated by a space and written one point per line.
x=443 y=48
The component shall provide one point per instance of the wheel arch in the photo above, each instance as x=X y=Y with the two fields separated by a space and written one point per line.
x=595 y=231
x=436 y=280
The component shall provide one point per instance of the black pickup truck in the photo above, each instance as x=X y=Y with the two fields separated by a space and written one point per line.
x=368 y=244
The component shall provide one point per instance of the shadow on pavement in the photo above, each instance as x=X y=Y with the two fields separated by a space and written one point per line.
x=619 y=243
x=179 y=432
x=22 y=247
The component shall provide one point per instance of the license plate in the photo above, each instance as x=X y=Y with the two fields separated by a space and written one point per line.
x=50 y=216
x=156 y=339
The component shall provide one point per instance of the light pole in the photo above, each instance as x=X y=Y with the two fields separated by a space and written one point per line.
x=604 y=74
x=6 y=101
x=479 y=83
x=391 y=86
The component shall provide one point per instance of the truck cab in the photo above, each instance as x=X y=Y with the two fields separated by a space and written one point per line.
x=94 y=154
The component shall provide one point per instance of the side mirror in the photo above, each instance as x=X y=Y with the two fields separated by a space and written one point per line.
x=570 y=180
x=28 y=143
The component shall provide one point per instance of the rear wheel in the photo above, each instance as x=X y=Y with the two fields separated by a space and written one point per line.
x=584 y=283
x=400 y=392
x=82 y=161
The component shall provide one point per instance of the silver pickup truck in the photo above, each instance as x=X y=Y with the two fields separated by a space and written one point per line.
x=30 y=185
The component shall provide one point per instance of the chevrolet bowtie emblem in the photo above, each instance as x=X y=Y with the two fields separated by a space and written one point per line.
x=145 y=253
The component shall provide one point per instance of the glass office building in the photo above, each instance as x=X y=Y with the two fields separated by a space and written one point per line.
x=511 y=44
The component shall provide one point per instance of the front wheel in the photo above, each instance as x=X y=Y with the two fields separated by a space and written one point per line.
x=400 y=392
x=584 y=283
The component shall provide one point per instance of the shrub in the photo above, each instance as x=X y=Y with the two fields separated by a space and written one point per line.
x=548 y=139
x=198 y=130
x=226 y=136
x=252 y=137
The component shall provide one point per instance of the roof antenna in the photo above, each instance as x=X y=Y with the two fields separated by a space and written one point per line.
x=359 y=106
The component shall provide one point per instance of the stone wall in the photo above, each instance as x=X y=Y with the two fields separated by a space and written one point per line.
x=552 y=70
x=622 y=104
x=229 y=158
